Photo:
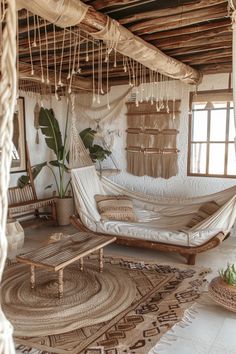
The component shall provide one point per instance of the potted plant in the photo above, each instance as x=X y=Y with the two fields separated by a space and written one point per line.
x=50 y=129
x=222 y=289
x=96 y=152
x=53 y=138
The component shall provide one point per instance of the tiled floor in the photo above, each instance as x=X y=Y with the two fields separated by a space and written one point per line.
x=213 y=331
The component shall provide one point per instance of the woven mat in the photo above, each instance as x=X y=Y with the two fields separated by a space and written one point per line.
x=162 y=294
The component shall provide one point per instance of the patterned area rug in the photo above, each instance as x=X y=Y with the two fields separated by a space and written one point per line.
x=162 y=294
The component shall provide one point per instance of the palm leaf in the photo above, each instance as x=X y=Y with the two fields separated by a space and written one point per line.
x=57 y=163
x=50 y=129
x=98 y=153
x=36 y=169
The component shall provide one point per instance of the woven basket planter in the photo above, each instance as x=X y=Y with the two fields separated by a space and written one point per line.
x=223 y=294
x=65 y=208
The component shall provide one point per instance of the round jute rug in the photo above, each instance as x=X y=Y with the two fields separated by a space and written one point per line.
x=89 y=297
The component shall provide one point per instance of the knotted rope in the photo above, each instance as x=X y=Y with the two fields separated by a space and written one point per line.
x=7 y=103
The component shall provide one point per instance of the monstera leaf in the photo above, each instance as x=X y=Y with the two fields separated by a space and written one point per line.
x=50 y=128
x=87 y=135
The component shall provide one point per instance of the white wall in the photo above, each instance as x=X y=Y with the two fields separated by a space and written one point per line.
x=180 y=185
x=40 y=152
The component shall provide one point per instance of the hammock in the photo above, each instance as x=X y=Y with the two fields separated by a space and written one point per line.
x=161 y=222
x=153 y=213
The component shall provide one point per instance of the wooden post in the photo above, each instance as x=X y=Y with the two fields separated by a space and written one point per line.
x=29 y=171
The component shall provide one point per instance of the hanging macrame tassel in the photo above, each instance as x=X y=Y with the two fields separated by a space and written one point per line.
x=36 y=121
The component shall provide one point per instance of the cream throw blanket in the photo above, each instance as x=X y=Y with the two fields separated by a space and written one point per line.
x=159 y=219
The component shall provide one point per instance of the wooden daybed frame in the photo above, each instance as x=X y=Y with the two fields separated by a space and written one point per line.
x=189 y=253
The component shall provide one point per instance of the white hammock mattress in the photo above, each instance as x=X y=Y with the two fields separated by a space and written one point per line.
x=149 y=232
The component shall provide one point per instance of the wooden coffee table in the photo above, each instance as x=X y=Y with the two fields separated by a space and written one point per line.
x=57 y=255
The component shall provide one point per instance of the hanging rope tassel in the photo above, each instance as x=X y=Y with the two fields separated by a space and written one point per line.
x=36 y=122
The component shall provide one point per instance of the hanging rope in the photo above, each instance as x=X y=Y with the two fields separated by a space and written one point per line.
x=7 y=103
x=79 y=156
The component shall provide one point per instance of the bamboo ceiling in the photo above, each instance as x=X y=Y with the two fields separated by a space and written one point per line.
x=196 y=32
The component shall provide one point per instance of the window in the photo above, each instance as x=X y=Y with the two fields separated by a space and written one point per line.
x=211 y=135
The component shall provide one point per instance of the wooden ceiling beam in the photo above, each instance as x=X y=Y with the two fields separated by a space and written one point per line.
x=142 y=52
x=77 y=82
x=102 y=4
x=211 y=55
x=225 y=59
x=201 y=48
x=216 y=68
x=177 y=10
x=168 y=25
x=200 y=27
x=179 y=18
x=191 y=39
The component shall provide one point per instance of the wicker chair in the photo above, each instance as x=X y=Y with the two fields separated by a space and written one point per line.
x=23 y=202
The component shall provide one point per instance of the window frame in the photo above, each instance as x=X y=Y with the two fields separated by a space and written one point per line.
x=226 y=142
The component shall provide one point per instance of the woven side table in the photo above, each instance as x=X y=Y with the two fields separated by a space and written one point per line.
x=223 y=294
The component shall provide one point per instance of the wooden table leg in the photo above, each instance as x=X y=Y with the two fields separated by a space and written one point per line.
x=101 y=260
x=60 y=283
x=81 y=264
x=32 y=277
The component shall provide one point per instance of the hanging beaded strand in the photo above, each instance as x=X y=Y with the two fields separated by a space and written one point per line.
x=46 y=49
x=73 y=64
x=136 y=83
x=167 y=94
x=40 y=51
x=62 y=55
x=174 y=98
x=108 y=100
x=29 y=44
x=93 y=68
x=34 y=44
x=124 y=64
x=70 y=53
x=55 y=61
x=87 y=49
x=99 y=73
x=78 y=69
x=101 y=68
x=157 y=92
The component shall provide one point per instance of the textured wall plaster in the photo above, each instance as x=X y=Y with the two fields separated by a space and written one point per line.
x=178 y=186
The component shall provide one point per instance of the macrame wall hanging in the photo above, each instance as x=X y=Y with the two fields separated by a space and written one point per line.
x=152 y=138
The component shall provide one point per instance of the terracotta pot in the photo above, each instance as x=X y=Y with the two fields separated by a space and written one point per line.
x=65 y=208
x=223 y=293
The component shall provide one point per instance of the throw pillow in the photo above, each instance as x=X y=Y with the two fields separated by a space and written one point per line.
x=204 y=212
x=115 y=207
